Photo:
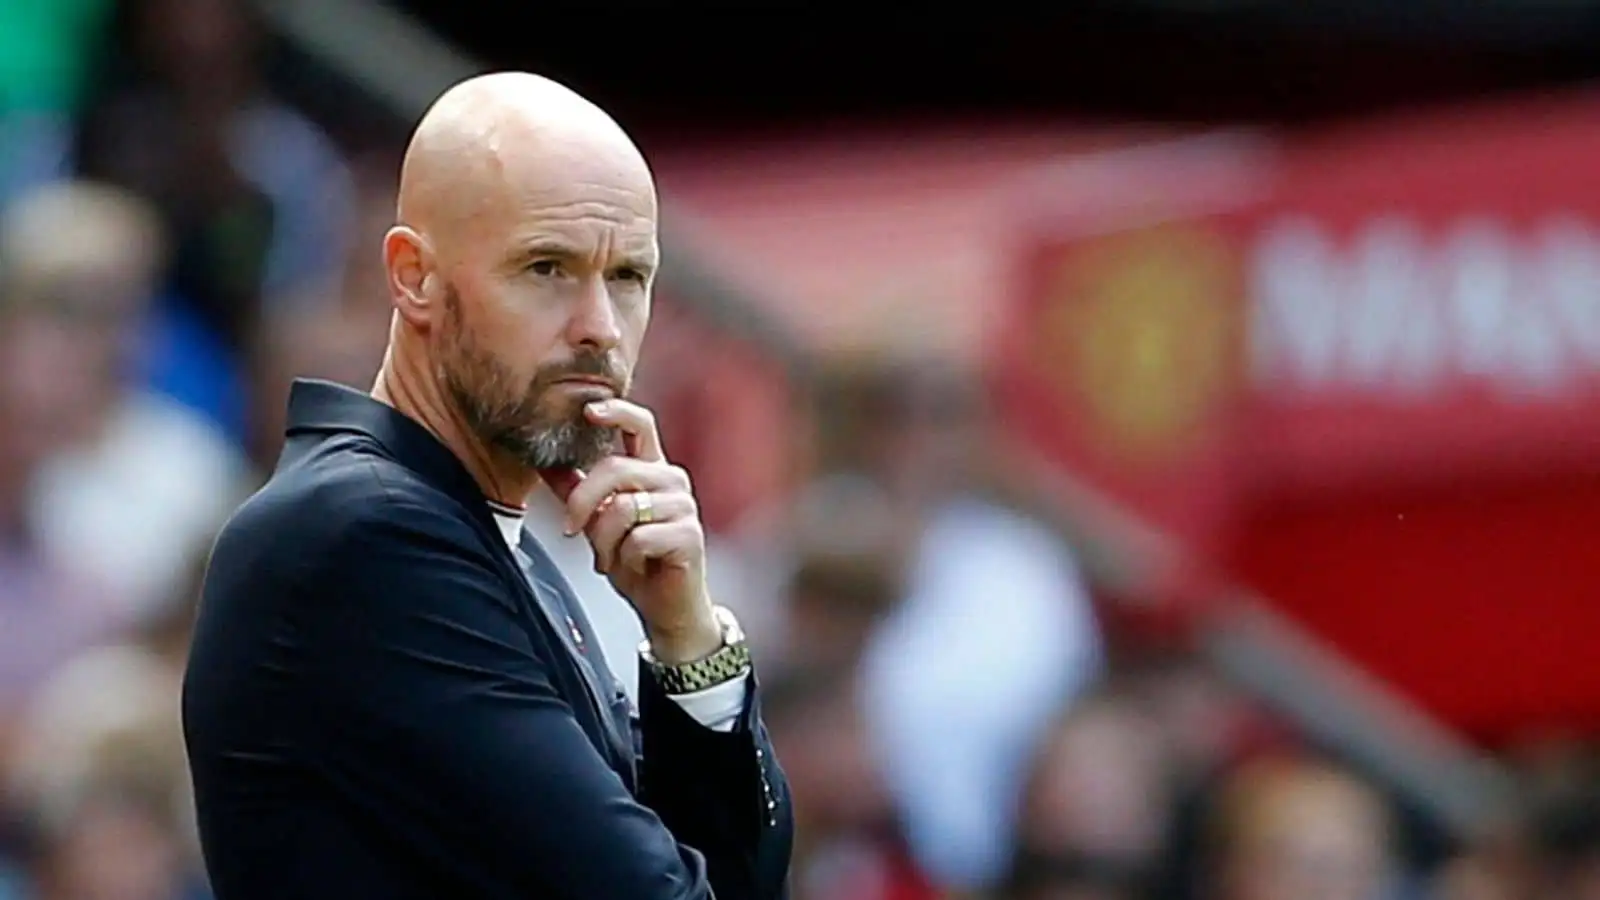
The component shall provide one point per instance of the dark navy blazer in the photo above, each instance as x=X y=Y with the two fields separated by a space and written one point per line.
x=387 y=701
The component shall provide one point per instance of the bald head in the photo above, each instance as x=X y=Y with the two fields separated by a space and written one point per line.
x=492 y=138
x=524 y=256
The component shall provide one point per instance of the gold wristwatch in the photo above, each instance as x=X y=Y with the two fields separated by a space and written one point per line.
x=730 y=661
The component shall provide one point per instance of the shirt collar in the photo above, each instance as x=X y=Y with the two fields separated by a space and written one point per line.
x=510 y=519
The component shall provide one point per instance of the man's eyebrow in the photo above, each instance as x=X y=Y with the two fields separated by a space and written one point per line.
x=534 y=248
x=644 y=262
x=526 y=252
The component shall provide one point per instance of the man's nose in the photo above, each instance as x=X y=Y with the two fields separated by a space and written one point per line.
x=594 y=321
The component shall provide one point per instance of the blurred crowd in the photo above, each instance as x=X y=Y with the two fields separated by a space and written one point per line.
x=956 y=719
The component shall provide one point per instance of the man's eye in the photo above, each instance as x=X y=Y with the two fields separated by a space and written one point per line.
x=545 y=267
x=627 y=273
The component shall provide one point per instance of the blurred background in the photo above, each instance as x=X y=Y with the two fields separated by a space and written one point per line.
x=1155 y=448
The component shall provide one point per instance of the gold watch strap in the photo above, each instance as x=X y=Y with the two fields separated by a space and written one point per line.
x=730 y=661
x=720 y=667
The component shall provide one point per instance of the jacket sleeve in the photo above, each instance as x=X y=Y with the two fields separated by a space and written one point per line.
x=441 y=724
x=720 y=792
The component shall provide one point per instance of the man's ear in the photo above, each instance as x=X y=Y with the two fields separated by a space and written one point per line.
x=408 y=262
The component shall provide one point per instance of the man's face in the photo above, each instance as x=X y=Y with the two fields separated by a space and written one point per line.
x=551 y=322
x=537 y=419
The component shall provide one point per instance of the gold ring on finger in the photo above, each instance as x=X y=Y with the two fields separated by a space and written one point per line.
x=644 y=508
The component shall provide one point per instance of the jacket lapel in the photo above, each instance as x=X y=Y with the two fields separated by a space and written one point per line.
x=562 y=612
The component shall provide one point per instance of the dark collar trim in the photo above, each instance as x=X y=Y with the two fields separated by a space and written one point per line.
x=506 y=509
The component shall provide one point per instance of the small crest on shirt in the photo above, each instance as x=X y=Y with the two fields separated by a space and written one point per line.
x=577 y=636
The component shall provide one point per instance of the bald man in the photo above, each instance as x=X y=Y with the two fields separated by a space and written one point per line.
x=393 y=693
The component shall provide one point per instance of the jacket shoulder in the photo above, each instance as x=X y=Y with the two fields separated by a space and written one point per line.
x=311 y=508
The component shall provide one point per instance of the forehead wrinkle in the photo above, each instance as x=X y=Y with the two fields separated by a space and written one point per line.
x=559 y=178
x=579 y=224
x=584 y=213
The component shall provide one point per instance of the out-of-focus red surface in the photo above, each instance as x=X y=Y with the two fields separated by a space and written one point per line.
x=848 y=237
x=1480 y=601
x=1401 y=449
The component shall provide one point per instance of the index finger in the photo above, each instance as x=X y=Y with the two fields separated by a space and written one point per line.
x=640 y=437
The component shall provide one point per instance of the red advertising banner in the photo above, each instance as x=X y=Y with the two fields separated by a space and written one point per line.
x=1424 y=381
x=1424 y=302
x=1121 y=365
x=1367 y=383
x=1127 y=369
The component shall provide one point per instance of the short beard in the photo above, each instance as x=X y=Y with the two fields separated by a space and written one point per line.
x=516 y=420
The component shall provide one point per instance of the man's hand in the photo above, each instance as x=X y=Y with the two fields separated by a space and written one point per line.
x=640 y=515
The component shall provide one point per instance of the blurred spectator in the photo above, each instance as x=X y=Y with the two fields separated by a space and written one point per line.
x=335 y=331
x=1095 y=809
x=139 y=482
x=50 y=606
x=837 y=598
x=50 y=609
x=1208 y=728
x=101 y=778
x=1206 y=723
x=994 y=634
x=1293 y=829
x=1494 y=866
x=1567 y=844
x=846 y=847
x=844 y=571
x=1548 y=846
x=1068 y=877
x=258 y=200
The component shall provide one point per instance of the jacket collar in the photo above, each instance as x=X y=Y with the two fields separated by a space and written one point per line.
x=322 y=406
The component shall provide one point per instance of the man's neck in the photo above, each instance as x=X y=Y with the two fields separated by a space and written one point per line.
x=500 y=480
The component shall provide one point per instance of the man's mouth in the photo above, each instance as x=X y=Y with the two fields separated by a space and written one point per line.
x=591 y=382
